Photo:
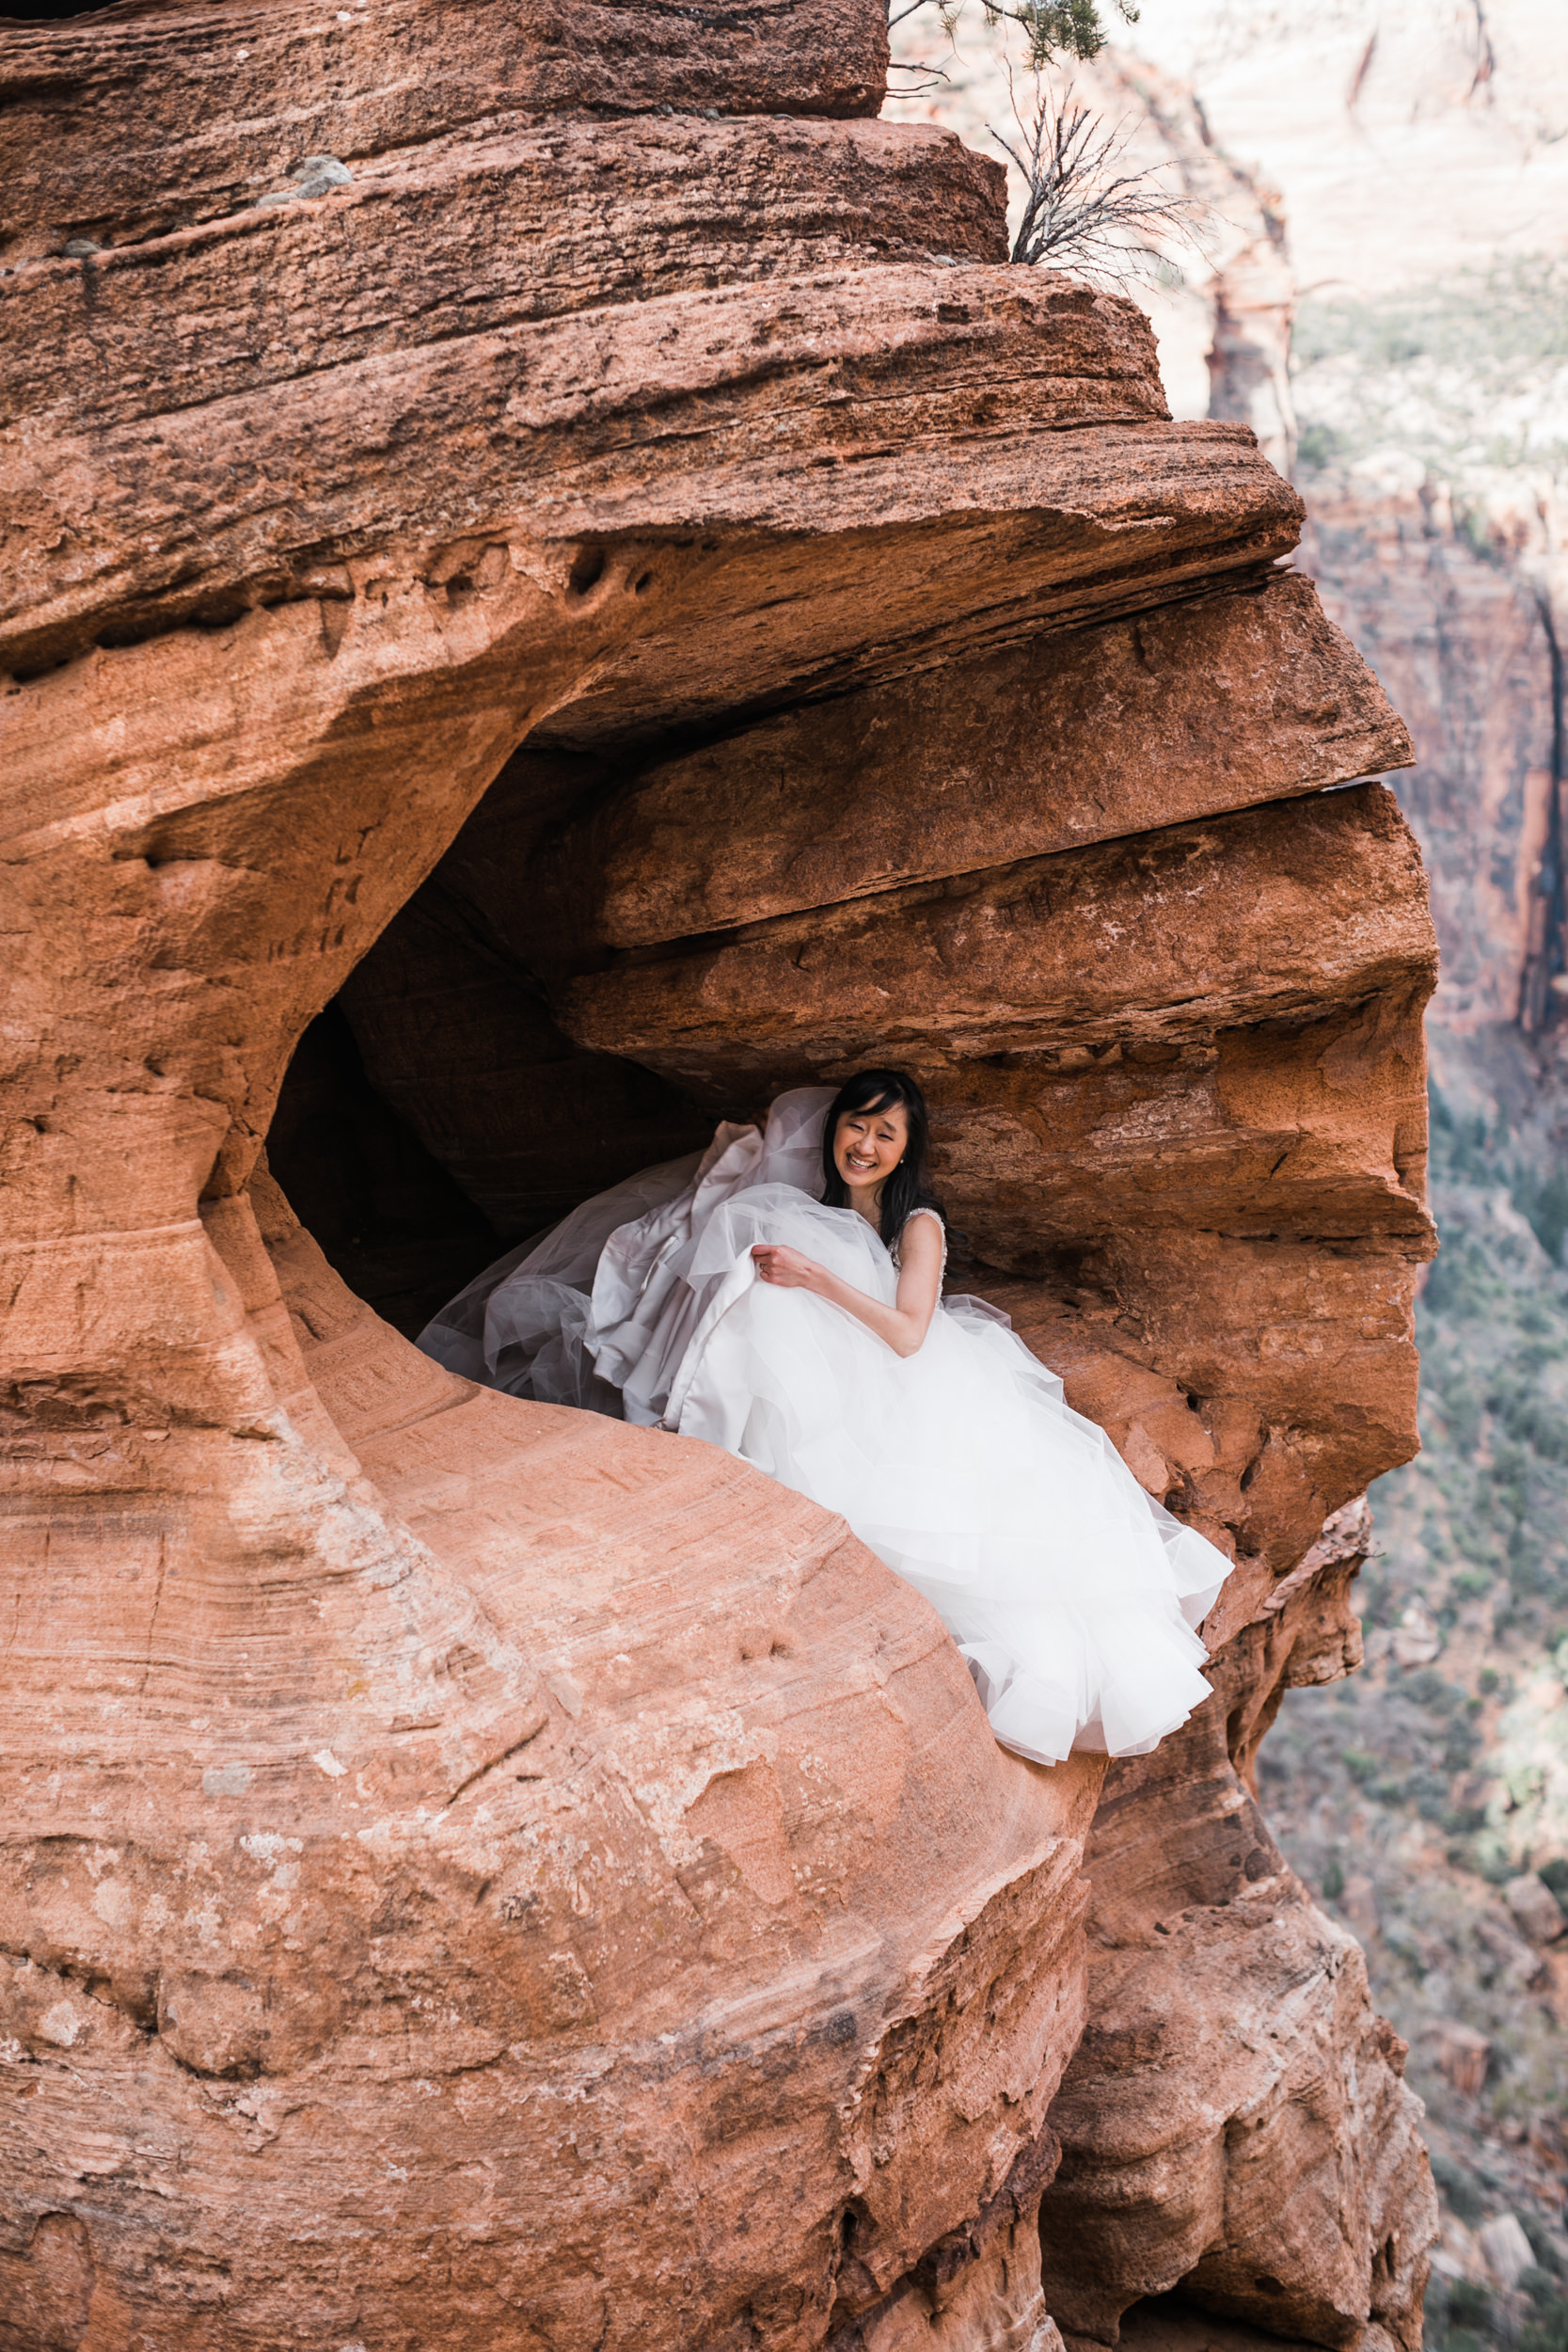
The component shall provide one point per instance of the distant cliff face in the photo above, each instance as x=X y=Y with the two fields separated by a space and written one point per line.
x=1461 y=628
x=571 y=569
x=1420 y=160
x=1427 y=1805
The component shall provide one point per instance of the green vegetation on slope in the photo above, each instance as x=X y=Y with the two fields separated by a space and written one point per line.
x=1410 y=1795
x=1467 y=374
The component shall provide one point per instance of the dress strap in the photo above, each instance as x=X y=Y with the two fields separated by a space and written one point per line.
x=895 y=1253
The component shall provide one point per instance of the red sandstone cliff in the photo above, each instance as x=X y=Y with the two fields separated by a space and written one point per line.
x=617 y=585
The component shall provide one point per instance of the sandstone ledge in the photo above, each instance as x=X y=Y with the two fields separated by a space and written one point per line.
x=1060 y=742
x=942 y=414
x=150 y=114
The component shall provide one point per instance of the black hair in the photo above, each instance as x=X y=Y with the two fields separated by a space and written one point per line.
x=908 y=1187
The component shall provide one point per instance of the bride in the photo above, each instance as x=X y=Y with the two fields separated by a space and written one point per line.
x=780 y=1295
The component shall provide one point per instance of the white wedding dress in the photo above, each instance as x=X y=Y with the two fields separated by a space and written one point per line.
x=1071 y=1594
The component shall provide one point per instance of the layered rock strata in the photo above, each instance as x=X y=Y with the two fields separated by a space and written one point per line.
x=477 y=1871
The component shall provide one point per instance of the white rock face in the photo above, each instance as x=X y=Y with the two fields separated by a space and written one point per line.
x=1406 y=136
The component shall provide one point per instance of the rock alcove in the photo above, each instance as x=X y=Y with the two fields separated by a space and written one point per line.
x=622 y=602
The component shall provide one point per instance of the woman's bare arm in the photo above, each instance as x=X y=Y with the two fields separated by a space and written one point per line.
x=902 y=1327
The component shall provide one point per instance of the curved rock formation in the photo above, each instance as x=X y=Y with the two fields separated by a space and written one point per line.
x=562 y=539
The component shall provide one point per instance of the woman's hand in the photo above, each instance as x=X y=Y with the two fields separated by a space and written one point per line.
x=903 y=1327
x=775 y=1262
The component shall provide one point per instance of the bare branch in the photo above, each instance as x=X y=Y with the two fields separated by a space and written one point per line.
x=1078 y=206
x=935 y=79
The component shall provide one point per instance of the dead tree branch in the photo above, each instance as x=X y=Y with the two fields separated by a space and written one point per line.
x=1078 y=206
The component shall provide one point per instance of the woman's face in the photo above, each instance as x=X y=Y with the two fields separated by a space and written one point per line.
x=868 y=1146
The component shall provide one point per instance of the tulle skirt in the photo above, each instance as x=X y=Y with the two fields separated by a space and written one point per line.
x=1073 y=1598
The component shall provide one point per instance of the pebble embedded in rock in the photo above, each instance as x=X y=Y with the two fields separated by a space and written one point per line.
x=324 y=167
x=316 y=176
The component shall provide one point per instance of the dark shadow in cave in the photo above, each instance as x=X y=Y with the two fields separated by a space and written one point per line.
x=1180 y=2321
x=391 y=1219
x=434 y=1114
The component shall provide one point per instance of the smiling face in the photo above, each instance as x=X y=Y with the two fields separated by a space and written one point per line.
x=867 y=1147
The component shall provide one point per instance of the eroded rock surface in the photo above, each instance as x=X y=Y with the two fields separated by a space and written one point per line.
x=1059 y=742
x=1234 y=2119
x=617 y=590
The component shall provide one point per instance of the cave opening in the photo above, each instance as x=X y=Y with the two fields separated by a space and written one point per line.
x=390 y=1218
x=436 y=1114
